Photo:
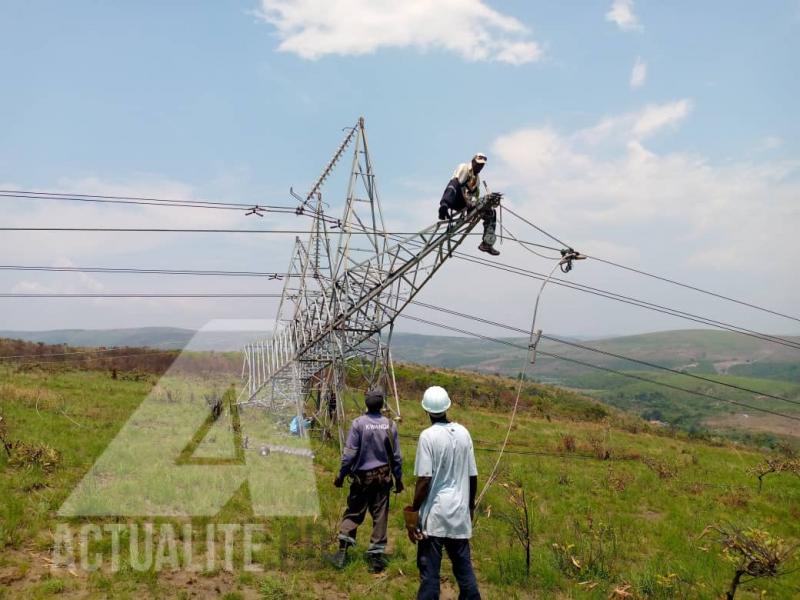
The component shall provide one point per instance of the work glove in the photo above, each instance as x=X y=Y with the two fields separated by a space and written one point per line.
x=411 y=518
x=398 y=486
x=339 y=481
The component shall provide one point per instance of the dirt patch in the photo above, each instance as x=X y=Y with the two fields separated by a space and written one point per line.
x=757 y=422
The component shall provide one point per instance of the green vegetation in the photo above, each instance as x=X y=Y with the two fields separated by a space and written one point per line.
x=614 y=503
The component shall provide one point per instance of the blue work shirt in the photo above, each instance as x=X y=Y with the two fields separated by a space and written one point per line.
x=369 y=441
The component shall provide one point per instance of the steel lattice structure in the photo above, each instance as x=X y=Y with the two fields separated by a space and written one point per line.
x=338 y=299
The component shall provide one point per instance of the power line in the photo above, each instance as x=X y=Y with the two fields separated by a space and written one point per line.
x=152 y=353
x=537 y=228
x=694 y=288
x=75 y=352
x=628 y=300
x=137 y=271
x=661 y=277
x=476 y=260
x=606 y=353
x=136 y=199
x=621 y=373
x=134 y=295
x=505 y=267
x=301 y=210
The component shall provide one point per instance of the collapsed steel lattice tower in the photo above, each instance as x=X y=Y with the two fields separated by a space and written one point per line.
x=345 y=286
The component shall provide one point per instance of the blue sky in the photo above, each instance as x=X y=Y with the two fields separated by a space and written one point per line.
x=240 y=100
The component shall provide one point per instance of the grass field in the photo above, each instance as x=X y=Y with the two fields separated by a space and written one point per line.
x=615 y=504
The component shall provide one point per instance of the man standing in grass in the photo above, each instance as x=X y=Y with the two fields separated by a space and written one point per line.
x=371 y=457
x=444 y=500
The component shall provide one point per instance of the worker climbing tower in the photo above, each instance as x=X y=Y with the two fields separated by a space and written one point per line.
x=346 y=284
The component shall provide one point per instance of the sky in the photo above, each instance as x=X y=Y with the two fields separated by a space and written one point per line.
x=659 y=135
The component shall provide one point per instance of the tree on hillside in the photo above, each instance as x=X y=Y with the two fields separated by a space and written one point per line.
x=754 y=553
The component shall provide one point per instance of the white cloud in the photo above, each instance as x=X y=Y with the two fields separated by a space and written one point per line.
x=638 y=73
x=637 y=125
x=470 y=28
x=770 y=142
x=604 y=179
x=621 y=13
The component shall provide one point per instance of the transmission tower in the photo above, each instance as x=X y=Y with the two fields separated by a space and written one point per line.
x=341 y=297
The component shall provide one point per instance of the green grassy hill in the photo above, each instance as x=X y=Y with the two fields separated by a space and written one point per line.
x=615 y=503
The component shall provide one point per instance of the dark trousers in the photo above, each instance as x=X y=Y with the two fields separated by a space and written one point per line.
x=429 y=563
x=367 y=494
x=489 y=217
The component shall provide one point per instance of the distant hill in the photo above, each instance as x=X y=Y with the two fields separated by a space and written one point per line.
x=725 y=357
x=695 y=350
x=155 y=337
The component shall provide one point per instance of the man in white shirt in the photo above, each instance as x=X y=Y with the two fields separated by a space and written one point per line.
x=444 y=500
x=463 y=191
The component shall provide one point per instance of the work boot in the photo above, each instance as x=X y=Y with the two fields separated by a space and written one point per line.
x=484 y=247
x=442 y=212
x=376 y=563
x=338 y=558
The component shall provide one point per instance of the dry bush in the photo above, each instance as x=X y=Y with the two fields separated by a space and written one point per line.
x=753 y=552
x=779 y=464
x=662 y=468
x=567 y=443
x=618 y=480
x=39 y=398
x=28 y=454
x=599 y=448
x=736 y=498
x=521 y=519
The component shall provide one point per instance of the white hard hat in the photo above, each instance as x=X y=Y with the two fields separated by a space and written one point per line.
x=479 y=158
x=435 y=400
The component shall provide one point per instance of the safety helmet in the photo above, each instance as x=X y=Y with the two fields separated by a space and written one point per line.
x=480 y=158
x=435 y=400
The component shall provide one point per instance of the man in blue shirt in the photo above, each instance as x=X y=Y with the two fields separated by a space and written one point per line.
x=371 y=457
x=444 y=500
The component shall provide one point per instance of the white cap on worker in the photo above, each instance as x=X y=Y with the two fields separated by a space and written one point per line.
x=479 y=158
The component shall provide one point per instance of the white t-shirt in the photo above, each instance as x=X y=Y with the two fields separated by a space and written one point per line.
x=445 y=454
x=470 y=182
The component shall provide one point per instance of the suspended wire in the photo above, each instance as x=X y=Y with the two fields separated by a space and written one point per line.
x=94 y=351
x=607 y=369
x=477 y=260
x=692 y=287
x=525 y=245
x=136 y=270
x=537 y=228
x=294 y=210
x=135 y=200
x=606 y=353
x=176 y=230
x=629 y=300
x=88 y=358
x=493 y=264
x=527 y=451
x=133 y=295
x=469 y=258
x=661 y=277
x=521 y=382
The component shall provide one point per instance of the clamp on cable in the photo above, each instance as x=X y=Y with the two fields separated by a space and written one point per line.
x=567 y=256
x=533 y=343
x=256 y=210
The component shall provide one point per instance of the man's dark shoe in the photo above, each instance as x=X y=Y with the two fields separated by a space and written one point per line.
x=337 y=559
x=376 y=563
x=484 y=247
x=442 y=212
